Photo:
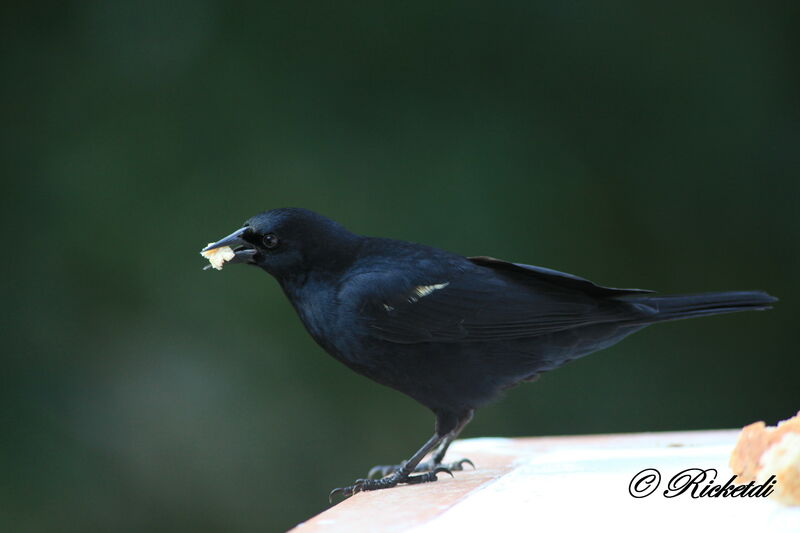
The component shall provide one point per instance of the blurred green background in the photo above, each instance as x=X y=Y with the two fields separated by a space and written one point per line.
x=639 y=146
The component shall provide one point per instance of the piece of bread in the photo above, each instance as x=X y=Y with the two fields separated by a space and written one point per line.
x=762 y=451
x=783 y=461
x=218 y=256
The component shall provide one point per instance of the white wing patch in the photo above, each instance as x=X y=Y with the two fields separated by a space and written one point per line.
x=423 y=290
x=420 y=291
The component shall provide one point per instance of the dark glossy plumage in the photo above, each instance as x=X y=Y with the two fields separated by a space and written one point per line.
x=449 y=331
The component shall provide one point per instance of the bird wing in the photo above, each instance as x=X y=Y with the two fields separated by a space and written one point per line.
x=500 y=302
x=562 y=279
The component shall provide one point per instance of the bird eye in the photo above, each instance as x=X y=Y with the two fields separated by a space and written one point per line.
x=270 y=240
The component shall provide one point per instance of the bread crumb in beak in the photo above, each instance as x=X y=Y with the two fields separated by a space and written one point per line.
x=218 y=256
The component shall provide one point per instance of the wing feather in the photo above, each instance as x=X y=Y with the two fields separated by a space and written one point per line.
x=482 y=304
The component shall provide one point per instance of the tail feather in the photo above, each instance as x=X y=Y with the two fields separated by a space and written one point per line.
x=677 y=307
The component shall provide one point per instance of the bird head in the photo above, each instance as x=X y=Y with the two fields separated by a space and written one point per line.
x=290 y=242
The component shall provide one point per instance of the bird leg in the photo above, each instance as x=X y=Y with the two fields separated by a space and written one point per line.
x=401 y=475
x=436 y=458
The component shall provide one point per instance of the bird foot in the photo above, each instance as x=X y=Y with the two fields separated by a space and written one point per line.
x=380 y=471
x=392 y=480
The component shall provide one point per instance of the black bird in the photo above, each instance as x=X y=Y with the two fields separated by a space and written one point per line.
x=451 y=332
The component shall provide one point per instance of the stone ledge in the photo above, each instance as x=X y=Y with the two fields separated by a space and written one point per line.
x=563 y=483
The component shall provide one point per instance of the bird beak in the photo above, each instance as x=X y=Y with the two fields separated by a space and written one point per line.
x=244 y=252
x=232 y=240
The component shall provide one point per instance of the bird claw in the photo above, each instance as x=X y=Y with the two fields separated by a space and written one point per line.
x=427 y=477
x=459 y=465
x=361 y=485
x=355 y=488
x=387 y=482
x=335 y=492
x=380 y=471
x=440 y=470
